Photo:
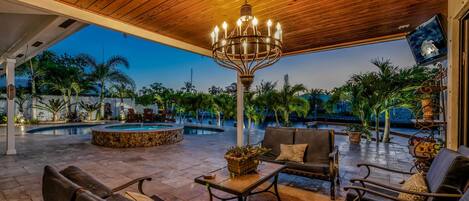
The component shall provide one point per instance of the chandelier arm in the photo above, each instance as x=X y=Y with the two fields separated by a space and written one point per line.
x=224 y=64
x=232 y=62
x=263 y=60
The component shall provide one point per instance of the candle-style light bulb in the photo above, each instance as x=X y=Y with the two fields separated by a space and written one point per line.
x=269 y=24
x=216 y=30
x=245 y=46
x=254 y=25
x=225 y=27
x=212 y=35
x=279 y=27
x=239 y=23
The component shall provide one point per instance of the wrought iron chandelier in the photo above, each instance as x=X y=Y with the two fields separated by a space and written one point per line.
x=245 y=48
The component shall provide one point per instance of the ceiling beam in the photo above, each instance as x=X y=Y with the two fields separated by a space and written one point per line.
x=92 y=18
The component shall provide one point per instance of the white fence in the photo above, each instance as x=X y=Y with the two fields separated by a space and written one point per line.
x=43 y=115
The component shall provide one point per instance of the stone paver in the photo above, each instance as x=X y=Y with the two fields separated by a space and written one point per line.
x=173 y=167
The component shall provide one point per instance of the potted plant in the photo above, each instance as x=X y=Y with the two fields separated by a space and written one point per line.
x=243 y=160
x=354 y=132
x=427 y=106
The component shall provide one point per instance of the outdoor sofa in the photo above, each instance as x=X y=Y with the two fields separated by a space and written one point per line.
x=446 y=180
x=321 y=159
x=73 y=184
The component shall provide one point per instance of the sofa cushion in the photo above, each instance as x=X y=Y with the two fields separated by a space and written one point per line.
x=292 y=152
x=55 y=187
x=464 y=150
x=85 y=195
x=309 y=167
x=86 y=181
x=320 y=144
x=273 y=137
x=449 y=170
x=415 y=183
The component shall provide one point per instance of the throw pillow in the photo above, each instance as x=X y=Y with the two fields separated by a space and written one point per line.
x=137 y=196
x=415 y=183
x=292 y=152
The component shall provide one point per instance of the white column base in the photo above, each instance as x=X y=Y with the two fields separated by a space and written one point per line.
x=11 y=152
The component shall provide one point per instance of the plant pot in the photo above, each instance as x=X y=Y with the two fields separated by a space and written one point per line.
x=241 y=166
x=354 y=137
x=427 y=108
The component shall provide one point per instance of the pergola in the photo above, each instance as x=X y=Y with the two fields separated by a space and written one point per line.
x=309 y=26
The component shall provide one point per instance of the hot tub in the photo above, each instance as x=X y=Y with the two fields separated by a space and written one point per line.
x=136 y=135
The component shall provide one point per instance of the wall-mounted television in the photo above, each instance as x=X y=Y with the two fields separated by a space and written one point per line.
x=428 y=41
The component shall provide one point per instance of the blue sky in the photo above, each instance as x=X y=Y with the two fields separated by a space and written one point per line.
x=152 y=62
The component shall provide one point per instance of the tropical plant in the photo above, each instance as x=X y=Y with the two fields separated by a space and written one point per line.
x=21 y=98
x=188 y=87
x=34 y=69
x=121 y=91
x=90 y=108
x=314 y=99
x=54 y=106
x=289 y=101
x=106 y=72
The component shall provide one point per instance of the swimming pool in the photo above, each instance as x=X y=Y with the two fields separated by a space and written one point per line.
x=85 y=129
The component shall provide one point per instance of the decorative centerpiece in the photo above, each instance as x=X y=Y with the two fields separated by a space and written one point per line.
x=243 y=160
x=424 y=150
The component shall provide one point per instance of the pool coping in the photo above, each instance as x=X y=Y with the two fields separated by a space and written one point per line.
x=103 y=128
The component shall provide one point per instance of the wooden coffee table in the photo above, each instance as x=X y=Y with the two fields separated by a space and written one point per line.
x=243 y=186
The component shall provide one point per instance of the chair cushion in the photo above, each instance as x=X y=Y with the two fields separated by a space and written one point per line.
x=136 y=196
x=86 y=181
x=449 y=170
x=117 y=197
x=269 y=157
x=464 y=150
x=465 y=197
x=273 y=137
x=292 y=152
x=320 y=144
x=415 y=183
x=85 y=195
x=55 y=187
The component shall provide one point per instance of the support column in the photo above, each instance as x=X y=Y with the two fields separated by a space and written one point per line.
x=10 y=75
x=239 y=112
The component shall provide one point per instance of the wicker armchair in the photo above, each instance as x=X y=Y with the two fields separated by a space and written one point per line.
x=445 y=180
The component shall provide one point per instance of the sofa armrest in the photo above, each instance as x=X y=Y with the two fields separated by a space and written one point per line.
x=399 y=190
x=369 y=166
x=335 y=153
x=138 y=180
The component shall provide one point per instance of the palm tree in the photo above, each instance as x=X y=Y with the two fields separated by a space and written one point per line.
x=54 y=106
x=89 y=108
x=188 y=87
x=289 y=101
x=106 y=72
x=314 y=99
x=34 y=69
x=121 y=91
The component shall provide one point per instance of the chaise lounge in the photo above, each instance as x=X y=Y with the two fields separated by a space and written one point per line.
x=321 y=157
x=73 y=184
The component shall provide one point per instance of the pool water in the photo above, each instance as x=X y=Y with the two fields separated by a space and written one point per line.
x=86 y=129
x=138 y=127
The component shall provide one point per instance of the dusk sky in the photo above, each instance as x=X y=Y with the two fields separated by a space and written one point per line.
x=152 y=62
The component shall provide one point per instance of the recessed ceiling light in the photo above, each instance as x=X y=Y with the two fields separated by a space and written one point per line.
x=405 y=26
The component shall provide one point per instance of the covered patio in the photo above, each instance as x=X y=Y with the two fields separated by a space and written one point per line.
x=309 y=27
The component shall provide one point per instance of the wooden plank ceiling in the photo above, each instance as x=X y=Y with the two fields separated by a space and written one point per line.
x=307 y=24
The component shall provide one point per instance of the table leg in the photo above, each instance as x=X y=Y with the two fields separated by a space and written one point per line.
x=276 y=188
x=240 y=198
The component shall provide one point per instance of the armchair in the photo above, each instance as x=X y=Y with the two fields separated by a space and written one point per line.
x=445 y=180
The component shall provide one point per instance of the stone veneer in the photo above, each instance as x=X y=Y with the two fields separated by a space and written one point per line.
x=129 y=139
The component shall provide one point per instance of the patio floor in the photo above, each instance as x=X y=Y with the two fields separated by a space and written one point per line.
x=173 y=167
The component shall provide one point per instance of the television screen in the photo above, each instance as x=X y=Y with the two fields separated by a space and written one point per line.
x=428 y=42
